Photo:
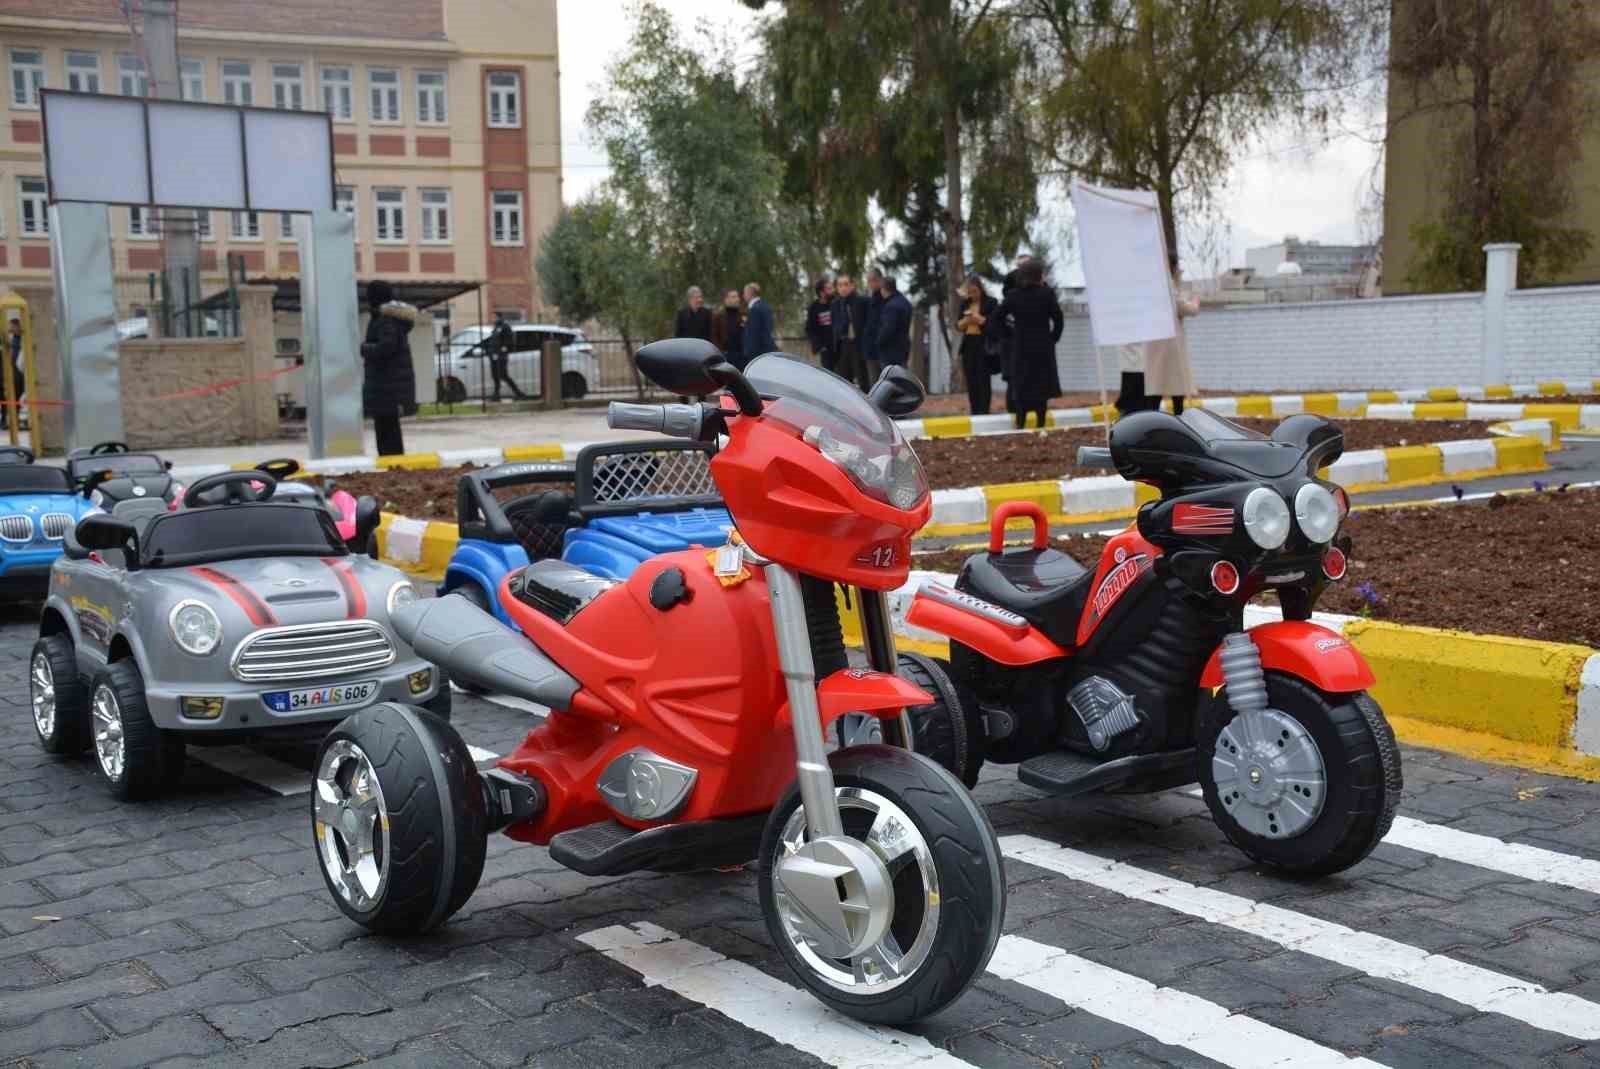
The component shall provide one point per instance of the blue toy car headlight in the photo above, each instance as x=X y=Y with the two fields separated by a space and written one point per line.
x=195 y=627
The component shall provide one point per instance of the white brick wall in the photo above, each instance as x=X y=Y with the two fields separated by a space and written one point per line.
x=1553 y=334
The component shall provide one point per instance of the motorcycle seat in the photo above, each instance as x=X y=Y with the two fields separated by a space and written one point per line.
x=558 y=589
x=1043 y=586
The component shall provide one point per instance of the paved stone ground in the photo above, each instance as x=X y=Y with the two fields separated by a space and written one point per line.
x=196 y=931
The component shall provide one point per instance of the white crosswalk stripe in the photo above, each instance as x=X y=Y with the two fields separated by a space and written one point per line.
x=1472 y=985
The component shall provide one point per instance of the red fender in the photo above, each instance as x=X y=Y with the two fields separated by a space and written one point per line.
x=1308 y=651
x=859 y=690
x=1002 y=636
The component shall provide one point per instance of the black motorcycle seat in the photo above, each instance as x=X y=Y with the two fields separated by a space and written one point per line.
x=1043 y=586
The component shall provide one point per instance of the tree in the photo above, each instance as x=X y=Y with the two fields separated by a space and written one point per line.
x=1506 y=87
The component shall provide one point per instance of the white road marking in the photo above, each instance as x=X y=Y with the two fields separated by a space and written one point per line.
x=249 y=764
x=506 y=700
x=1165 y=1014
x=1471 y=985
x=481 y=755
x=788 y=1014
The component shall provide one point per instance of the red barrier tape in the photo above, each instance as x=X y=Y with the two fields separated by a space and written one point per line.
x=199 y=391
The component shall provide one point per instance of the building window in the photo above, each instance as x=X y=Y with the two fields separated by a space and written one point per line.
x=27 y=77
x=288 y=88
x=337 y=95
x=286 y=225
x=143 y=222
x=435 y=215
x=390 y=207
x=506 y=219
x=237 y=88
x=131 y=78
x=192 y=79
x=33 y=207
x=245 y=226
x=505 y=99
x=510 y=315
x=384 y=86
x=344 y=200
x=431 y=98
x=83 y=72
x=202 y=225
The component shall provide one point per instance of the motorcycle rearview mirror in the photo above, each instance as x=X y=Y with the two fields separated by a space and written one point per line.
x=897 y=392
x=693 y=367
x=367 y=518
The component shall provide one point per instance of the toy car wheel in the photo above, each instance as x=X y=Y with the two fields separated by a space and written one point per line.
x=399 y=819
x=473 y=593
x=136 y=759
x=573 y=385
x=58 y=697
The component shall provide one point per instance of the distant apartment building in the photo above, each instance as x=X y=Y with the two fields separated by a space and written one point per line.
x=1310 y=257
x=446 y=129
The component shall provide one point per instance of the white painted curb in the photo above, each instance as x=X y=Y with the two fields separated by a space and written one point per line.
x=1493 y=410
x=1475 y=454
x=340 y=465
x=1096 y=493
x=570 y=450
x=1586 y=733
x=962 y=505
x=1360 y=466
x=483 y=458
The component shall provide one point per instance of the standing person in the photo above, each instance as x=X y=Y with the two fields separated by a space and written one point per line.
x=14 y=364
x=501 y=341
x=1131 y=397
x=1035 y=319
x=1166 y=369
x=849 y=316
x=980 y=356
x=875 y=301
x=727 y=329
x=819 y=325
x=758 y=326
x=894 y=326
x=694 y=318
x=388 y=381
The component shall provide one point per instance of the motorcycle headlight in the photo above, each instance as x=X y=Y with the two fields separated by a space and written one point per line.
x=400 y=595
x=894 y=476
x=195 y=627
x=1317 y=512
x=1266 y=518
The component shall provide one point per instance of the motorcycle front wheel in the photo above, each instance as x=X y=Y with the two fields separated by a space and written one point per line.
x=948 y=887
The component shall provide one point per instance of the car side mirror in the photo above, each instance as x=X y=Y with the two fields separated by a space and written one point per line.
x=367 y=518
x=102 y=531
x=897 y=392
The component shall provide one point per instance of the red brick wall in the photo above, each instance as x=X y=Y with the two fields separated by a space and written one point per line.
x=3 y=256
x=437 y=263
x=345 y=145
x=288 y=261
x=404 y=19
x=26 y=131
x=144 y=259
x=505 y=158
x=387 y=144
x=433 y=146
x=391 y=262
x=254 y=259
x=35 y=256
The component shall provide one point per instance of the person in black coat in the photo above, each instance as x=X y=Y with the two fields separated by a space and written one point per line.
x=388 y=381
x=980 y=353
x=694 y=318
x=875 y=300
x=819 y=325
x=501 y=342
x=1033 y=316
x=894 y=326
x=727 y=329
x=758 y=327
x=849 y=320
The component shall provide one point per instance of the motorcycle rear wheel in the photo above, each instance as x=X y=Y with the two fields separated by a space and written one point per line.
x=949 y=886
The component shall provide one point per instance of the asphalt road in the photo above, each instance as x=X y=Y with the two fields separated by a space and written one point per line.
x=196 y=932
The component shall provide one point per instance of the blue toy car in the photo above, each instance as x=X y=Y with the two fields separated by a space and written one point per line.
x=38 y=506
x=630 y=501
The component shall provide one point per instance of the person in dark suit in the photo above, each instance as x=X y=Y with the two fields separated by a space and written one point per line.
x=727 y=328
x=694 y=318
x=894 y=326
x=875 y=300
x=849 y=323
x=1033 y=315
x=758 y=326
x=819 y=325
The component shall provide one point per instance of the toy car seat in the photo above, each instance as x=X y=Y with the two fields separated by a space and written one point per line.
x=540 y=520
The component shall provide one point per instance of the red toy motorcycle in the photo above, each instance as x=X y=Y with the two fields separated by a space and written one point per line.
x=1140 y=676
x=688 y=706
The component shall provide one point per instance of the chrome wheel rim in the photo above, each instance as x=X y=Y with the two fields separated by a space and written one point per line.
x=1269 y=773
x=109 y=747
x=352 y=825
x=42 y=691
x=859 y=729
x=890 y=833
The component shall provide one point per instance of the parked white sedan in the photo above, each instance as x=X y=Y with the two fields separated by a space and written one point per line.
x=466 y=374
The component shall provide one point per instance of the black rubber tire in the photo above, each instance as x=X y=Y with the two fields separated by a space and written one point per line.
x=948 y=730
x=573 y=385
x=1362 y=762
x=438 y=823
x=70 y=733
x=972 y=884
x=440 y=704
x=152 y=760
x=473 y=593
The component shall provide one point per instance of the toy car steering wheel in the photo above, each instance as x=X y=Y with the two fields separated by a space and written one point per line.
x=104 y=448
x=240 y=486
x=95 y=478
x=280 y=469
x=16 y=454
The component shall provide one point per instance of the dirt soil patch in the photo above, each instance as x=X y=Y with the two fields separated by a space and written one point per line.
x=1563 y=399
x=422 y=495
x=1526 y=565
x=951 y=404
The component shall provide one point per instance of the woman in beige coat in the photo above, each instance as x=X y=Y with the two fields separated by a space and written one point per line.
x=1166 y=362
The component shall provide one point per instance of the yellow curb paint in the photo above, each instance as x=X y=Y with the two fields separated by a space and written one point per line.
x=1045 y=493
x=1255 y=405
x=1382 y=397
x=1444 y=393
x=1499 y=391
x=1098 y=412
x=243 y=465
x=1552 y=389
x=947 y=426
x=1564 y=416
x=1409 y=462
x=943 y=530
x=1518 y=452
x=1143 y=492
x=536 y=451
x=1439 y=410
x=409 y=462
x=1555 y=760
x=438 y=546
x=1322 y=404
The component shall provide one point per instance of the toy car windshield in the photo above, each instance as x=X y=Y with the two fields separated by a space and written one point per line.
x=80 y=468
x=33 y=479
x=204 y=536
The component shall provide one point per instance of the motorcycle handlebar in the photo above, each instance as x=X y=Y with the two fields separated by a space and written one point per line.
x=679 y=421
x=1090 y=456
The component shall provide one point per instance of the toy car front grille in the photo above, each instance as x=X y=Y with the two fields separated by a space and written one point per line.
x=16 y=528
x=636 y=476
x=313 y=651
x=56 y=525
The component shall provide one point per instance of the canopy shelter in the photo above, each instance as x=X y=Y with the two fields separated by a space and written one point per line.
x=420 y=294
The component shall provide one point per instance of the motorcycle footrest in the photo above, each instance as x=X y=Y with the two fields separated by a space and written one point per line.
x=608 y=848
x=1066 y=773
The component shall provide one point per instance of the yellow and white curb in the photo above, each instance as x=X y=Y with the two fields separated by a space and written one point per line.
x=445 y=458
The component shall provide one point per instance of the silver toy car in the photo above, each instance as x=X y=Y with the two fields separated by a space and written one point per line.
x=214 y=622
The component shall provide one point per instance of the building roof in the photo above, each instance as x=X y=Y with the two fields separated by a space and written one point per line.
x=418 y=293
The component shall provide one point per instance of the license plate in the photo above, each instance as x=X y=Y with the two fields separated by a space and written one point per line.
x=299 y=701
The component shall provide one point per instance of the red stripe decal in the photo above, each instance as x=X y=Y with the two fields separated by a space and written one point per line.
x=242 y=596
x=354 y=597
x=1202 y=519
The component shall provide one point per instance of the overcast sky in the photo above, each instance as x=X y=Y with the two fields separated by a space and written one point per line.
x=1289 y=184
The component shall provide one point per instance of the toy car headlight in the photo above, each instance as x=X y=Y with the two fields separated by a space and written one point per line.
x=1317 y=511
x=1266 y=518
x=401 y=595
x=195 y=627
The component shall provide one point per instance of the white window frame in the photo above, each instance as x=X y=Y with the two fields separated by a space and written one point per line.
x=349 y=205
x=436 y=216
x=512 y=316
x=81 y=77
x=288 y=86
x=238 y=87
x=192 y=80
x=244 y=226
x=339 y=93
x=27 y=77
x=144 y=223
x=504 y=101
x=389 y=216
x=39 y=201
x=381 y=92
x=132 y=79
x=433 y=98
x=507 y=218
x=202 y=225
x=286 y=226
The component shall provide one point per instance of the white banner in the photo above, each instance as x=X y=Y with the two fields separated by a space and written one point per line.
x=1124 y=264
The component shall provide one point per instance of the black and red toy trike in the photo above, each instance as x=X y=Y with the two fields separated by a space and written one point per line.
x=688 y=707
x=1140 y=676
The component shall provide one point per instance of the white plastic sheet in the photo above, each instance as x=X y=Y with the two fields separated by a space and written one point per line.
x=1124 y=264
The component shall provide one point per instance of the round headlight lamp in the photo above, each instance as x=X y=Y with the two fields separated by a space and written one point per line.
x=1317 y=511
x=400 y=595
x=1266 y=518
x=195 y=627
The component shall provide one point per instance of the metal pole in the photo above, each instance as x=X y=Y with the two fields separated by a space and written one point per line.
x=483 y=394
x=180 y=239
